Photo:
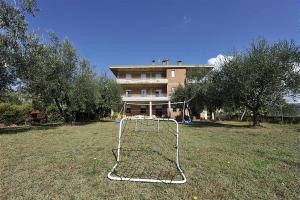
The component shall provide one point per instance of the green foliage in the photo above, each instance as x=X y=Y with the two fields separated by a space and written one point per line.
x=180 y=94
x=85 y=94
x=52 y=114
x=199 y=94
x=197 y=73
x=117 y=115
x=282 y=109
x=14 y=114
x=261 y=76
x=13 y=40
x=52 y=71
x=110 y=95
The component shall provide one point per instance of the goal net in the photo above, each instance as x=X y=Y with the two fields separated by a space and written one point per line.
x=147 y=151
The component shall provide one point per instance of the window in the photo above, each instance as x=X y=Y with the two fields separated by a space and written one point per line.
x=128 y=76
x=143 y=76
x=173 y=89
x=143 y=92
x=173 y=73
x=158 y=93
x=128 y=93
x=128 y=109
x=158 y=75
x=143 y=109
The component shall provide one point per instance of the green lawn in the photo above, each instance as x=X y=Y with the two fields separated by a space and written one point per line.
x=221 y=161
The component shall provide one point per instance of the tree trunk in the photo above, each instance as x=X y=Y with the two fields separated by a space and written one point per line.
x=242 y=117
x=255 y=118
x=59 y=108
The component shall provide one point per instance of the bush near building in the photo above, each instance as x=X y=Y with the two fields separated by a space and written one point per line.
x=14 y=114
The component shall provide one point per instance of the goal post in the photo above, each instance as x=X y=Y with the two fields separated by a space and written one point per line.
x=148 y=151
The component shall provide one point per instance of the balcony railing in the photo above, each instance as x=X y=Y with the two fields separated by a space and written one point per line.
x=145 y=95
x=142 y=80
x=152 y=97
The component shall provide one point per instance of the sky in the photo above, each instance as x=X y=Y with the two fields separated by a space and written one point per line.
x=123 y=32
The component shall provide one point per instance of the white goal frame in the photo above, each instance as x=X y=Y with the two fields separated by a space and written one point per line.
x=147 y=180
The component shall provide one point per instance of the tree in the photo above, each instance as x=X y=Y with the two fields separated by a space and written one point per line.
x=260 y=76
x=110 y=93
x=51 y=73
x=13 y=39
x=199 y=90
x=85 y=92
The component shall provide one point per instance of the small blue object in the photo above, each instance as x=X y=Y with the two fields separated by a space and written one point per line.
x=189 y=121
x=118 y=121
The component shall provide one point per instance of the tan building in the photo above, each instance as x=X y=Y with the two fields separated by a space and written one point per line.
x=147 y=89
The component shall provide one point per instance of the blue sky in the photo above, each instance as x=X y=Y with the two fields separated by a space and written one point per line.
x=110 y=32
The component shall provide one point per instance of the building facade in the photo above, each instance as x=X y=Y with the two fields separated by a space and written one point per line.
x=147 y=89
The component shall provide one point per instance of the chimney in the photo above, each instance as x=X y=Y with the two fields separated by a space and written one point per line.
x=179 y=62
x=165 y=61
x=153 y=62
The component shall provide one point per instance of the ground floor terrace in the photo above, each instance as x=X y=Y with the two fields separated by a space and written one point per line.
x=148 y=108
x=164 y=109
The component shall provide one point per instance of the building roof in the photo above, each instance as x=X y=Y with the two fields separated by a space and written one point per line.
x=115 y=68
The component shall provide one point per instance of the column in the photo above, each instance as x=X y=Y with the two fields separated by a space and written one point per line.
x=150 y=108
x=169 y=109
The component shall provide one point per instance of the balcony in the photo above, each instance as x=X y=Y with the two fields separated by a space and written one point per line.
x=161 y=97
x=142 y=81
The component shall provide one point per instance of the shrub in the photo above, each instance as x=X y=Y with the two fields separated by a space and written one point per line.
x=14 y=114
x=117 y=115
x=52 y=114
x=3 y=108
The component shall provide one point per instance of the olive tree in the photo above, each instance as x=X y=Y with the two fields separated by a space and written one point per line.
x=260 y=76
x=13 y=40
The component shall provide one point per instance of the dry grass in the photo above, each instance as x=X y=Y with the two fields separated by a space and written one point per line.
x=221 y=161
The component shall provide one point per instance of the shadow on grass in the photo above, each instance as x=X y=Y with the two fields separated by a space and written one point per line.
x=83 y=123
x=205 y=124
x=22 y=129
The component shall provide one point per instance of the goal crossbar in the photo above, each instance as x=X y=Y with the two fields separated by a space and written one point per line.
x=113 y=176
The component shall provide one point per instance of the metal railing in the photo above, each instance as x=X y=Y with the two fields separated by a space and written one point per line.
x=145 y=95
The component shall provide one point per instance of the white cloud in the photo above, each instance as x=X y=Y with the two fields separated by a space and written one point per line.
x=218 y=60
x=187 y=19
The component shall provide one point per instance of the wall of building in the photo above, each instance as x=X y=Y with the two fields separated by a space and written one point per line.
x=173 y=82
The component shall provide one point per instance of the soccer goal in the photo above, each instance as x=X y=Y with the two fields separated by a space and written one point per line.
x=147 y=151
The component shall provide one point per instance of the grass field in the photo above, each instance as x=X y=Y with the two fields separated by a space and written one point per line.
x=221 y=161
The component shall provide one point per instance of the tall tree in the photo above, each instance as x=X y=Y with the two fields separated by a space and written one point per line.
x=199 y=90
x=261 y=75
x=51 y=73
x=110 y=95
x=85 y=92
x=13 y=39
